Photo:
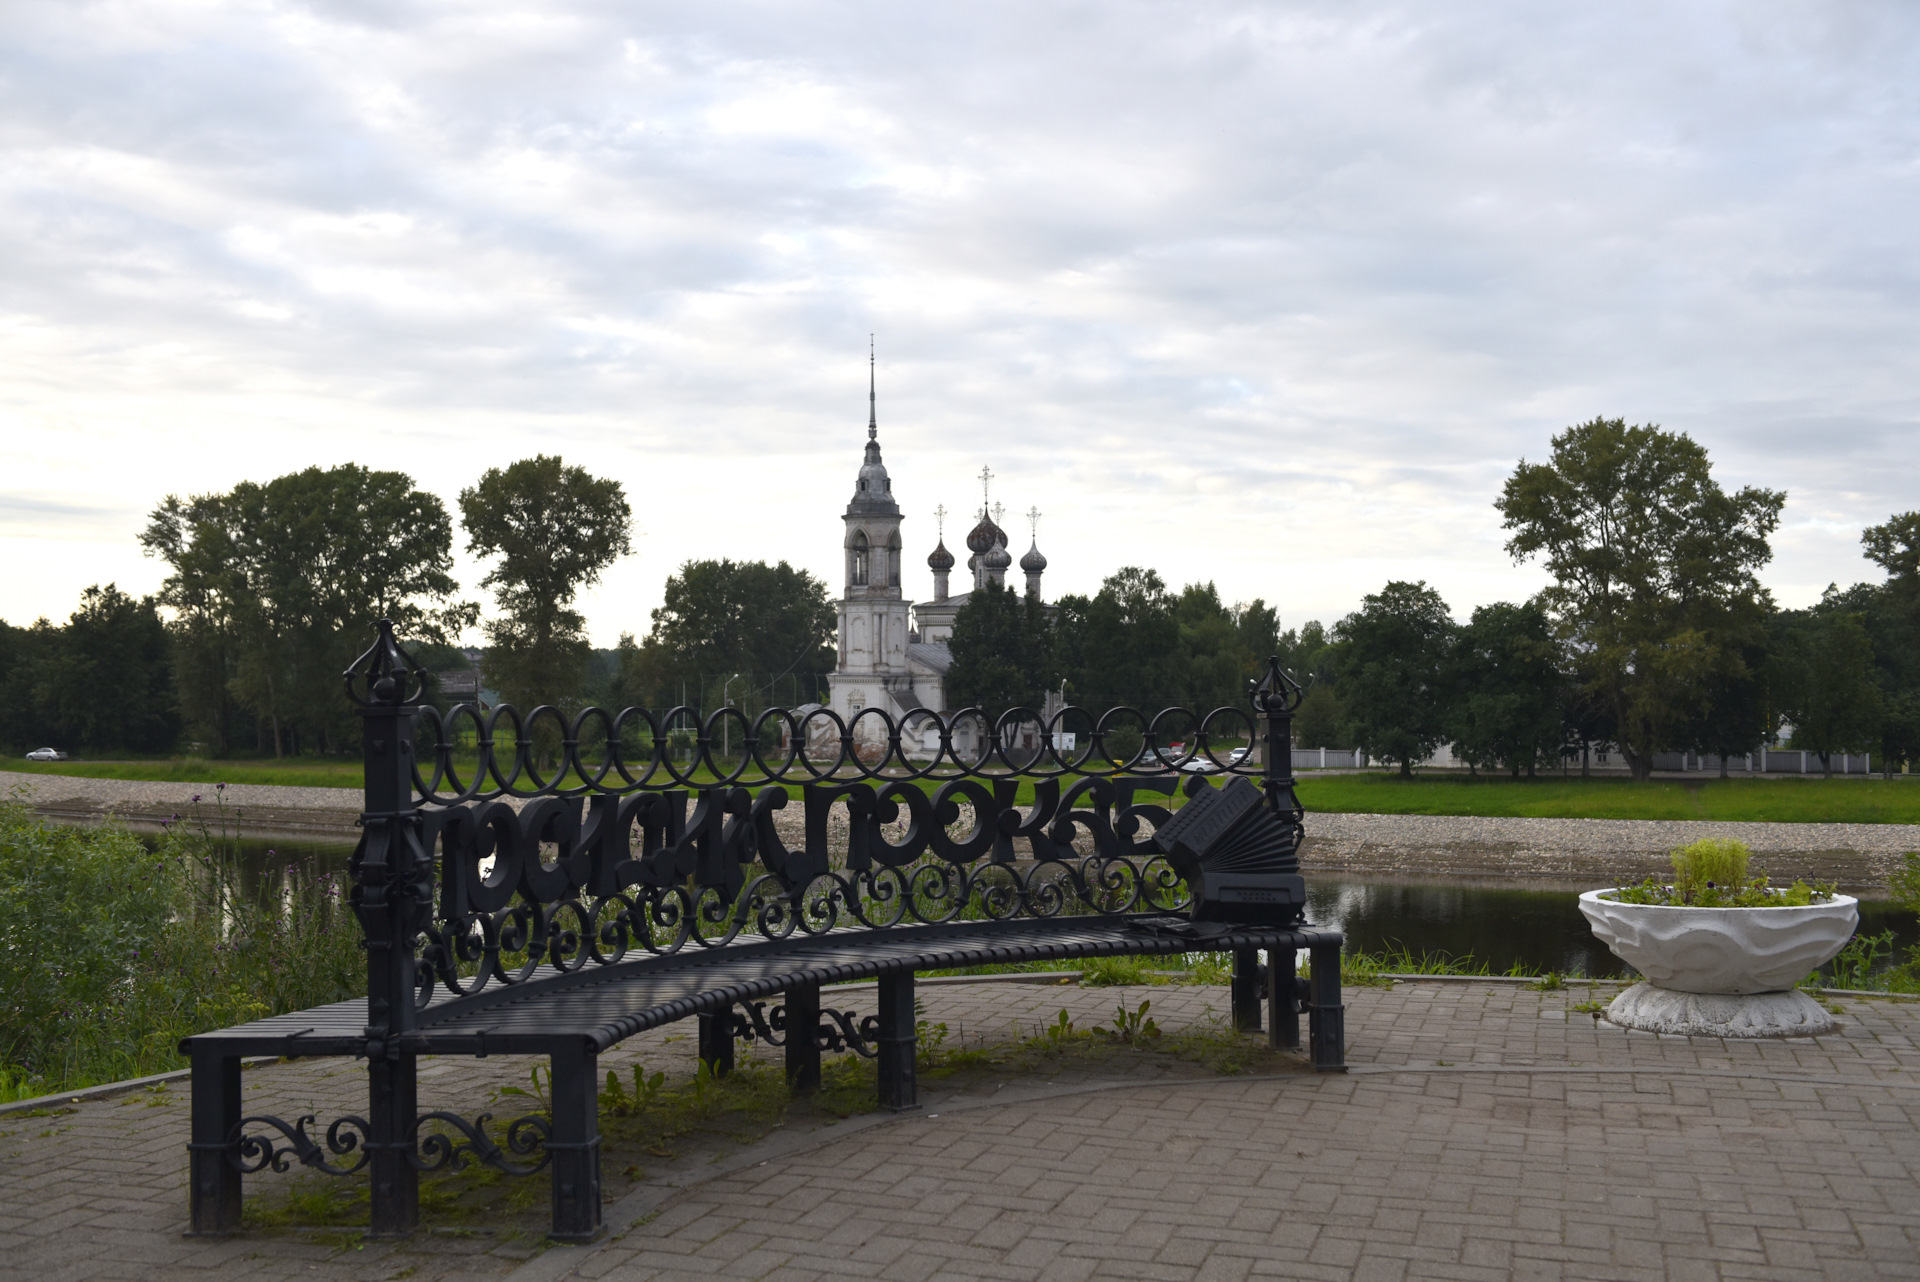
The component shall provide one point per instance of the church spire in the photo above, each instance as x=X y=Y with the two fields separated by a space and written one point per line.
x=873 y=412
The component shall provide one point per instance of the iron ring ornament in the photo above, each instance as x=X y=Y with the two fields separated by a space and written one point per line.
x=509 y=866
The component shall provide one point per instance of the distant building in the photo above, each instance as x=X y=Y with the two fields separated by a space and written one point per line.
x=893 y=653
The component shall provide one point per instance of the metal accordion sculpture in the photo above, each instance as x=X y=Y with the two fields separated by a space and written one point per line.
x=1240 y=861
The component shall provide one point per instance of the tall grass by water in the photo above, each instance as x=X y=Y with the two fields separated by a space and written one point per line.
x=112 y=950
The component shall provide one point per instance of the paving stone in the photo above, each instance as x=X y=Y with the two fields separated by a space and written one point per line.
x=1710 y=1159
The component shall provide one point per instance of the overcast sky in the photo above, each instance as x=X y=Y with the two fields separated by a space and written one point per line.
x=1274 y=295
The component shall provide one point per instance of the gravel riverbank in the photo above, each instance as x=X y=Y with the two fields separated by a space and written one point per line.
x=1588 y=851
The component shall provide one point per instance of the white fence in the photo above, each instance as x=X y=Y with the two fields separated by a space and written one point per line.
x=1768 y=761
x=1328 y=759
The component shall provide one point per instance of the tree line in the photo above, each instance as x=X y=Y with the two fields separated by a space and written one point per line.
x=1654 y=635
x=272 y=589
x=270 y=593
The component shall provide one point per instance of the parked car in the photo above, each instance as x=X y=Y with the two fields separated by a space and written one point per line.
x=46 y=754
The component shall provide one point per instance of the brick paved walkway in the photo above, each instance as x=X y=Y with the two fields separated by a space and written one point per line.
x=1486 y=1131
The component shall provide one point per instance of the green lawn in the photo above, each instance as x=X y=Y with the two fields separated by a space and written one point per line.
x=298 y=772
x=1773 y=800
x=1778 y=800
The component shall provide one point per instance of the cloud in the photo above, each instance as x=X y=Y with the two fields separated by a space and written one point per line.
x=1270 y=294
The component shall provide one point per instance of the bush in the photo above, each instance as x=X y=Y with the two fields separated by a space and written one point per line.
x=111 y=952
x=1712 y=873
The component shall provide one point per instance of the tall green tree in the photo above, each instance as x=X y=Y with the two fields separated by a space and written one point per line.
x=1826 y=685
x=1507 y=689
x=554 y=529
x=1892 y=614
x=1321 y=720
x=769 y=622
x=20 y=651
x=1218 y=660
x=1899 y=739
x=1002 y=649
x=1654 y=569
x=1121 y=647
x=1311 y=656
x=1894 y=546
x=108 y=683
x=1395 y=656
x=275 y=588
x=1259 y=626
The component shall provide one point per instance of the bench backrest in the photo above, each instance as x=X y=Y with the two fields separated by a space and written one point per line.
x=471 y=874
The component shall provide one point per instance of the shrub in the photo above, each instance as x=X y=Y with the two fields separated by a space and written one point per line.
x=1707 y=864
x=1712 y=873
x=110 y=952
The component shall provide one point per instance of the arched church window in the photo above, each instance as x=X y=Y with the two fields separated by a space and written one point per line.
x=858 y=574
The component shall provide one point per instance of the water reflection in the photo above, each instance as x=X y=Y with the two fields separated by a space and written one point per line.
x=267 y=868
x=1535 y=929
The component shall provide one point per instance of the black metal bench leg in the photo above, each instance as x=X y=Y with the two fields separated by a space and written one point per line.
x=899 y=1086
x=1326 y=1017
x=576 y=1143
x=716 y=1042
x=393 y=1103
x=803 y=1038
x=1283 y=1000
x=214 y=1181
x=1246 y=990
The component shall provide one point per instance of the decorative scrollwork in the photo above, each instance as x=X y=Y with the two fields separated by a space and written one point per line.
x=843 y=1034
x=837 y=1031
x=627 y=843
x=250 y=1153
x=526 y=1136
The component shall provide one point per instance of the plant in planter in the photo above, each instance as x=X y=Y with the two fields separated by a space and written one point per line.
x=1720 y=952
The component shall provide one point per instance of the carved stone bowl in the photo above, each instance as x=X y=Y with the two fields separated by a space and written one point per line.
x=1722 y=950
x=1721 y=972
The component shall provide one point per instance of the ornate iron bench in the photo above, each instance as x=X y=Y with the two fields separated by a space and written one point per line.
x=595 y=911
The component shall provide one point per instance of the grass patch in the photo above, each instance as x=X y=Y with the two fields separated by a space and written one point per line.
x=296 y=772
x=1775 y=800
x=1895 y=801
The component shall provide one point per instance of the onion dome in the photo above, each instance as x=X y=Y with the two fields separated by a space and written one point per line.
x=985 y=535
x=1033 y=562
x=998 y=558
x=941 y=559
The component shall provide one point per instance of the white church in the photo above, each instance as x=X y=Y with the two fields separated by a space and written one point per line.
x=893 y=652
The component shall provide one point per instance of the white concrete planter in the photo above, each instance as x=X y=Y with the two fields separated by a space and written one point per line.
x=1757 y=953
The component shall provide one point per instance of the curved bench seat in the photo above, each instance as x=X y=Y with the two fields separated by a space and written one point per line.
x=571 y=1017
x=607 y=1004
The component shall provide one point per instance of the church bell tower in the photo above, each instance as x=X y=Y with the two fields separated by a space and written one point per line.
x=872 y=669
